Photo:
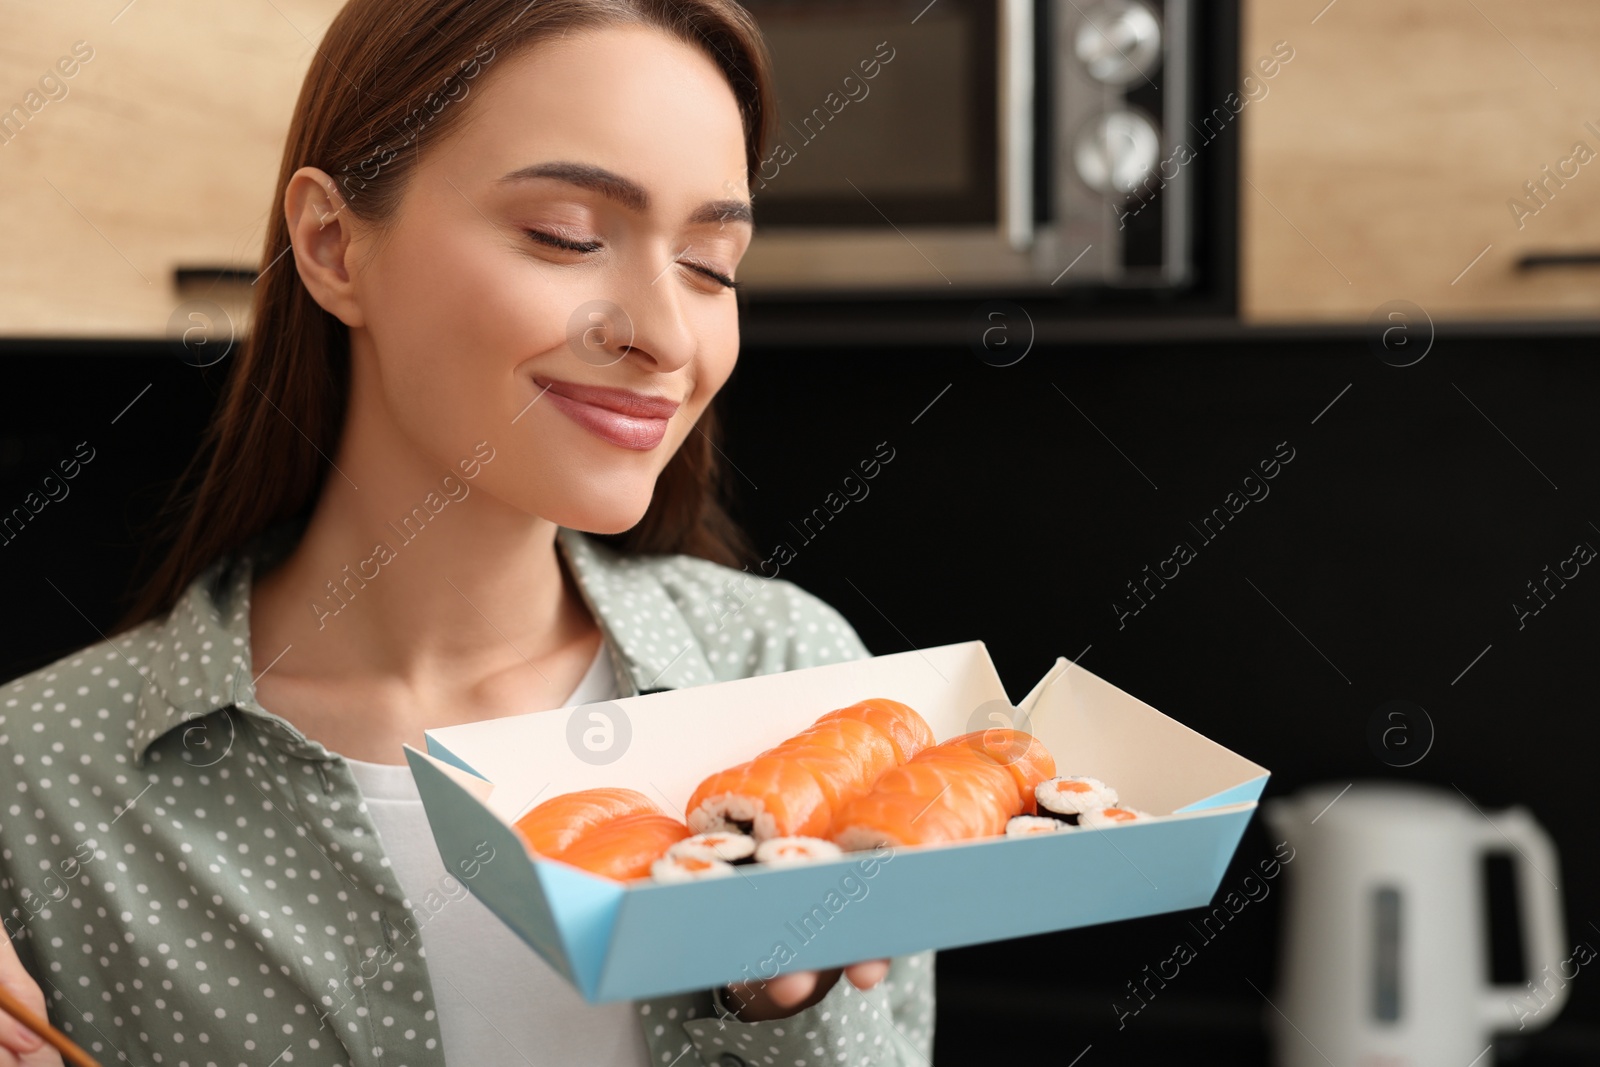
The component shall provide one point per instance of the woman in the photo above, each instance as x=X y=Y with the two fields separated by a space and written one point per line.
x=464 y=469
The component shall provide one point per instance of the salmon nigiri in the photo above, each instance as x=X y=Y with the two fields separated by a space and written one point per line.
x=624 y=848
x=552 y=826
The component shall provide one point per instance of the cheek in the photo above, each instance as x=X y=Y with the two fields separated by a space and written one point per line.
x=453 y=315
x=717 y=340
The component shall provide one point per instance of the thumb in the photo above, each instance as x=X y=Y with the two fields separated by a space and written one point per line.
x=23 y=994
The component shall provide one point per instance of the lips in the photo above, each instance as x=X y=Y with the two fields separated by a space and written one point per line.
x=636 y=421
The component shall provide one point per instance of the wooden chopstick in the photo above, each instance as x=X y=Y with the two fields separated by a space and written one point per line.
x=61 y=1042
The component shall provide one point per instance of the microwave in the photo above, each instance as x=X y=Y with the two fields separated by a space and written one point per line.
x=1017 y=145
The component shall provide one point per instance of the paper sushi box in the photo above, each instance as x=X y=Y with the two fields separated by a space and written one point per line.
x=616 y=941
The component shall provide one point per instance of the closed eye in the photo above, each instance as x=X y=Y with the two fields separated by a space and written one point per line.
x=717 y=276
x=553 y=240
x=557 y=241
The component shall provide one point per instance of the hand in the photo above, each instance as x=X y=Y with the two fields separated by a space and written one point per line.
x=19 y=1046
x=780 y=997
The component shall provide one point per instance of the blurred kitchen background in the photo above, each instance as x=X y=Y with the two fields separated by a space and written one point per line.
x=1085 y=267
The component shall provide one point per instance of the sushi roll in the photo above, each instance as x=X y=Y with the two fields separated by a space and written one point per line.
x=1028 y=825
x=689 y=868
x=1068 y=796
x=726 y=845
x=953 y=791
x=784 y=851
x=1022 y=755
x=1101 y=818
x=793 y=788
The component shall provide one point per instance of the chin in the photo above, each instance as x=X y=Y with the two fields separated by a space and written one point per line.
x=604 y=494
x=605 y=528
x=599 y=517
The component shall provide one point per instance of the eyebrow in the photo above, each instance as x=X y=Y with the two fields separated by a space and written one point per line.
x=625 y=191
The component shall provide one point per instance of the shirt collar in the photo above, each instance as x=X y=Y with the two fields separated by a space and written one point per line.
x=640 y=614
x=197 y=659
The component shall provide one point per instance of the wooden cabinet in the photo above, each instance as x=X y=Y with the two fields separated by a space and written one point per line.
x=1390 y=156
x=1385 y=161
x=158 y=151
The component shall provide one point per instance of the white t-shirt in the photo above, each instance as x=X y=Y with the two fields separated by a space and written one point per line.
x=500 y=1004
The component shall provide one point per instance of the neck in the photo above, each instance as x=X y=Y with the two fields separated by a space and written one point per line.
x=405 y=573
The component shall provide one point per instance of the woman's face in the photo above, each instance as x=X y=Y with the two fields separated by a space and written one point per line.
x=559 y=251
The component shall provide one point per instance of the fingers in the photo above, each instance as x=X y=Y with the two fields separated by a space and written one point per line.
x=17 y=1040
x=790 y=989
x=776 y=998
x=867 y=974
x=784 y=991
x=788 y=993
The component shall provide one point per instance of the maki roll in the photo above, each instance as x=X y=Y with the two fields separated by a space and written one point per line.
x=726 y=845
x=1067 y=797
x=1101 y=818
x=689 y=868
x=786 y=851
x=1027 y=825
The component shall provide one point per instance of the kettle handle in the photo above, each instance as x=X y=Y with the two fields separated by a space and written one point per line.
x=1543 y=929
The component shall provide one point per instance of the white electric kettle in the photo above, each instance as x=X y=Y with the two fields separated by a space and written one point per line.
x=1385 y=944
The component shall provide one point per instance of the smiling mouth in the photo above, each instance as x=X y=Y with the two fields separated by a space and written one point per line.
x=634 y=421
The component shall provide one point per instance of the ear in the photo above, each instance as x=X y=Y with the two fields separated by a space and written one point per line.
x=321 y=230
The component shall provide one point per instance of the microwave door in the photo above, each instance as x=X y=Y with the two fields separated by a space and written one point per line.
x=902 y=157
x=1025 y=145
x=885 y=107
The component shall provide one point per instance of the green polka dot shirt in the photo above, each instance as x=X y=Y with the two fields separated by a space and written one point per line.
x=194 y=883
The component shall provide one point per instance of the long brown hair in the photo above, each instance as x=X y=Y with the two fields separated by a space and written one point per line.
x=385 y=75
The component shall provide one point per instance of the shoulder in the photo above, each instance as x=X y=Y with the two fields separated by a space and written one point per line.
x=91 y=694
x=67 y=731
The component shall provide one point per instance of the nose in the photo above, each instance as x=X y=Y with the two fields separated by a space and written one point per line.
x=648 y=321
